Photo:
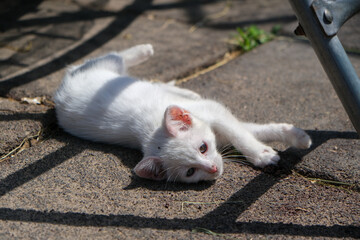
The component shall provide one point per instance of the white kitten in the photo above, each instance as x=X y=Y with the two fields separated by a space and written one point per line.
x=176 y=129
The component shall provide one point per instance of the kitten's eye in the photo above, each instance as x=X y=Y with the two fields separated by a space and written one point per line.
x=203 y=148
x=190 y=172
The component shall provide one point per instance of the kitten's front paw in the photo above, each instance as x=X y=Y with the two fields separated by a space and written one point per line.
x=147 y=50
x=267 y=157
x=298 y=138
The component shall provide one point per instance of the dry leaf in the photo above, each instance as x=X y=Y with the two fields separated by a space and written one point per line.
x=36 y=100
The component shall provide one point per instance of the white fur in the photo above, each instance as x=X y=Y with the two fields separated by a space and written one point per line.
x=100 y=102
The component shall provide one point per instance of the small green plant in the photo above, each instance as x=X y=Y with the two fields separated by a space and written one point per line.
x=251 y=37
x=276 y=29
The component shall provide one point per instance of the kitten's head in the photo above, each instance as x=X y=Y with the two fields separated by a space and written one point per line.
x=186 y=153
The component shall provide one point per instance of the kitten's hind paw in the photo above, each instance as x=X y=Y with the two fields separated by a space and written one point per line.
x=138 y=54
x=143 y=51
x=147 y=49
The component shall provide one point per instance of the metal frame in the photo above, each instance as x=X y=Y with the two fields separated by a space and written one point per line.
x=320 y=20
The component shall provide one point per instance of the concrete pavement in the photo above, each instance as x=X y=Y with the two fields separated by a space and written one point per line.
x=55 y=186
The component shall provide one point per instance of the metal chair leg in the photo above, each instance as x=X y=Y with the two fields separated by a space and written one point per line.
x=315 y=18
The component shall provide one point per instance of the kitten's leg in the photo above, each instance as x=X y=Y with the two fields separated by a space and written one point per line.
x=255 y=151
x=136 y=55
x=227 y=127
x=112 y=62
x=280 y=132
x=118 y=62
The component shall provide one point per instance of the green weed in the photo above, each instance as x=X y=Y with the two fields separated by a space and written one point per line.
x=250 y=37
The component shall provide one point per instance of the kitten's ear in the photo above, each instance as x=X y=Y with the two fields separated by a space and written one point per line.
x=176 y=120
x=150 y=168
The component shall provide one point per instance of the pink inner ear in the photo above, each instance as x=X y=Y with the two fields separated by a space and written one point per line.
x=150 y=168
x=177 y=120
x=179 y=114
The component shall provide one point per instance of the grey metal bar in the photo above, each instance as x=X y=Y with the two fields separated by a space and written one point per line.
x=333 y=59
x=333 y=14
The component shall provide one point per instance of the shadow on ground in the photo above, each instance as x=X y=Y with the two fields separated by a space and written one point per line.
x=122 y=19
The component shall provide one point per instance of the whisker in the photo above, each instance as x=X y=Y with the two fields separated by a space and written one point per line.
x=243 y=162
x=229 y=147
x=229 y=152
x=225 y=148
x=237 y=158
x=176 y=176
x=167 y=171
x=174 y=171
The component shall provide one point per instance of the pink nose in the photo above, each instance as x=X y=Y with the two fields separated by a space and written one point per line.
x=213 y=169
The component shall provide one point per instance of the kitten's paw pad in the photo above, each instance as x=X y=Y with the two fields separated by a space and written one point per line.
x=299 y=138
x=267 y=157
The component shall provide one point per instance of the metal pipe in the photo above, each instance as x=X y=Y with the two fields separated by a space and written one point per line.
x=333 y=59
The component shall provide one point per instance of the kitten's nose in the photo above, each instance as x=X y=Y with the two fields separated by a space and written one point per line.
x=213 y=169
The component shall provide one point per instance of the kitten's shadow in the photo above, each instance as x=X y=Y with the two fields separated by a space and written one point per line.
x=137 y=182
x=129 y=158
